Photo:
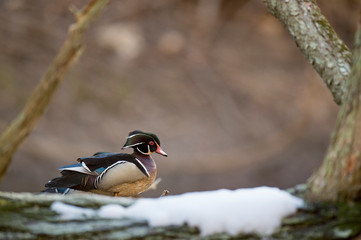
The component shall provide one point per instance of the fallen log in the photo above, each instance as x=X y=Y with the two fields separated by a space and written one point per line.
x=29 y=216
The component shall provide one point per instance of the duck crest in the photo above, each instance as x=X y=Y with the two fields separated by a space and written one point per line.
x=144 y=143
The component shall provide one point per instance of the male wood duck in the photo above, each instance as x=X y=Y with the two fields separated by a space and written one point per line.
x=118 y=174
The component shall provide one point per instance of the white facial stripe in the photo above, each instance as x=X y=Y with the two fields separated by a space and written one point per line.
x=135 y=144
x=140 y=151
x=142 y=134
x=147 y=153
x=137 y=134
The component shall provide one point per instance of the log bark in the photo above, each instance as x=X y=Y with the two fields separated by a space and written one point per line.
x=23 y=124
x=339 y=176
x=27 y=216
x=317 y=40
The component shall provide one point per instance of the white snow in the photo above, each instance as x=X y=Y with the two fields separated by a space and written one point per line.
x=254 y=210
x=70 y=212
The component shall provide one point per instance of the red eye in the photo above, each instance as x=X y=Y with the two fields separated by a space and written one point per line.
x=151 y=143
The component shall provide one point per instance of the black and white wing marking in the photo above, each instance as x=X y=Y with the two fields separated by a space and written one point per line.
x=101 y=161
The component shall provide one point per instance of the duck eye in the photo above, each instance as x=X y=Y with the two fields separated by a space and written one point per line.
x=151 y=143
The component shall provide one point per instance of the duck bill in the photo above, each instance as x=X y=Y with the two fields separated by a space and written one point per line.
x=160 y=151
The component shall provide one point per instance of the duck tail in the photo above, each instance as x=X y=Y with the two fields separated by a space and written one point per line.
x=71 y=179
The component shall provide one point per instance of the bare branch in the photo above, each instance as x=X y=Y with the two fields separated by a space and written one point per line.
x=72 y=48
x=317 y=40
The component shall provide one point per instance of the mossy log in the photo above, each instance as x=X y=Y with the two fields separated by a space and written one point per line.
x=28 y=216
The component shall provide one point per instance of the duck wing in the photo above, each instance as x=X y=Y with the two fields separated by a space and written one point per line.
x=100 y=170
x=102 y=161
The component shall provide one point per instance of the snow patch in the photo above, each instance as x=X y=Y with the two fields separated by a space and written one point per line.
x=70 y=212
x=254 y=210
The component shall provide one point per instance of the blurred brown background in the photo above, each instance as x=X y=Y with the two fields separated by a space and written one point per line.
x=223 y=85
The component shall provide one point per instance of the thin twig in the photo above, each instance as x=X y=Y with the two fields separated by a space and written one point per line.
x=72 y=48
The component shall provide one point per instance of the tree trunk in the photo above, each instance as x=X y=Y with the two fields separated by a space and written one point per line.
x=317 y=40
x=339 y=176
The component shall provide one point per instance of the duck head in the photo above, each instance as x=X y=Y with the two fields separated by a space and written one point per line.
x=144 y=142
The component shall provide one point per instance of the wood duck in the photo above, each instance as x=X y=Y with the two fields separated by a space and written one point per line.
x=118 y=174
